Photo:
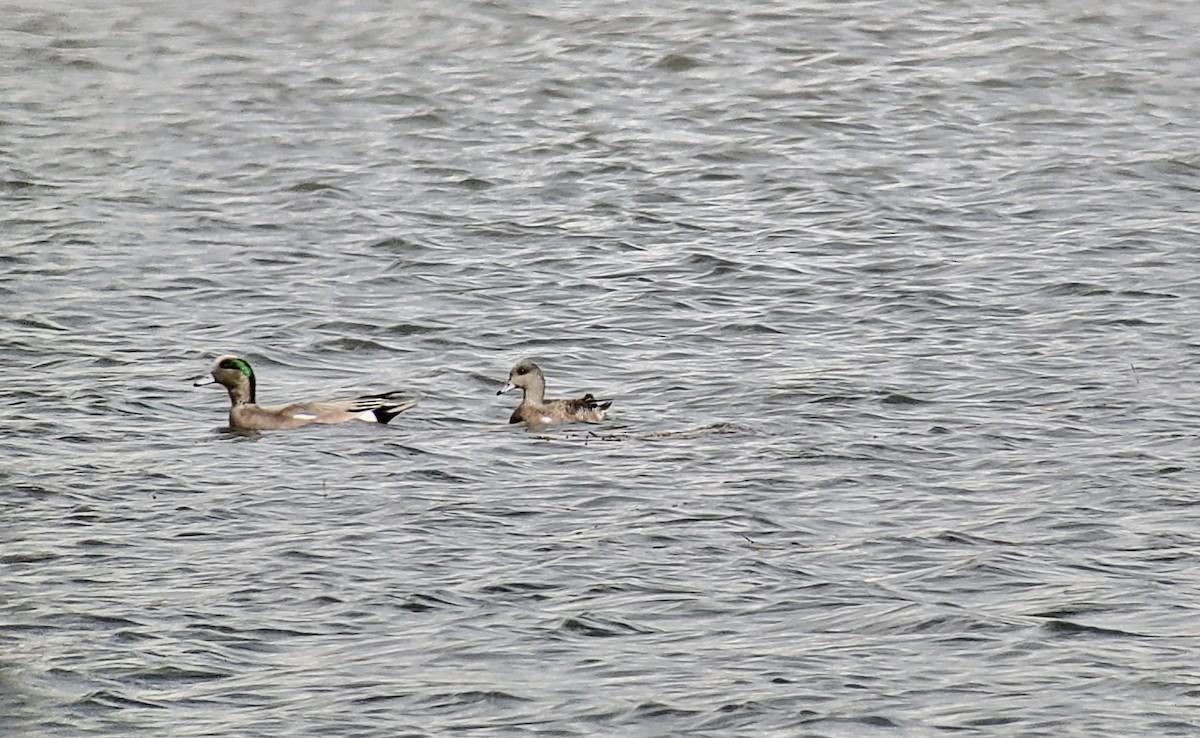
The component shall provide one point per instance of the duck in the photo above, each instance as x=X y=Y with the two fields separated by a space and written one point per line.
x=234 y=373
x=535 y=409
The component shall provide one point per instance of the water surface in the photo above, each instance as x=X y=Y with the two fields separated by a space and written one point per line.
x=897 y=303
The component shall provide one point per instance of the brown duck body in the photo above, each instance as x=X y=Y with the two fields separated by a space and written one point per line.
x=236 y=376
x=371 y=408
x=535 y=409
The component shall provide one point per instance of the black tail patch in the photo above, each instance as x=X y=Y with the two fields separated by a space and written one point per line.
x=385 y=414
x=385 y=406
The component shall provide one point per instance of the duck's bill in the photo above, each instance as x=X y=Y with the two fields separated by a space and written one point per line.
x=506 y=388
x=203 y=381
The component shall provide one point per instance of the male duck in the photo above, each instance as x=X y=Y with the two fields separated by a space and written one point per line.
x=535 y=409
x=237 y=377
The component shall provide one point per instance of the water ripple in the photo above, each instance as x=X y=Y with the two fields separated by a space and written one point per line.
x=895 y=309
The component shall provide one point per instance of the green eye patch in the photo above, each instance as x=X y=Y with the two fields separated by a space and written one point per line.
x=238 y=365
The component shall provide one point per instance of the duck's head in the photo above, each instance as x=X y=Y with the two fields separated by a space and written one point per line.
x=525 y=375
x=235 y=374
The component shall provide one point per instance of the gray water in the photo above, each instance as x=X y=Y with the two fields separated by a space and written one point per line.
x=898 y=304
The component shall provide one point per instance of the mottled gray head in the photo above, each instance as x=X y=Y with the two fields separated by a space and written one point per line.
x=525 y=375
x=234 y=374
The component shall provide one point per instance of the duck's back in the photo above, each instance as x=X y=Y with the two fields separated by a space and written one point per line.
x=586 y=409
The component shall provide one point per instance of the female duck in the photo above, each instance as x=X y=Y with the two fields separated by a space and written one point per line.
x=535 y=409
x=236 y=376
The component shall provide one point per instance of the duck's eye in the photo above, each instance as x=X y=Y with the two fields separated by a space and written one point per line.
x=522 y=370
x=236 y=365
